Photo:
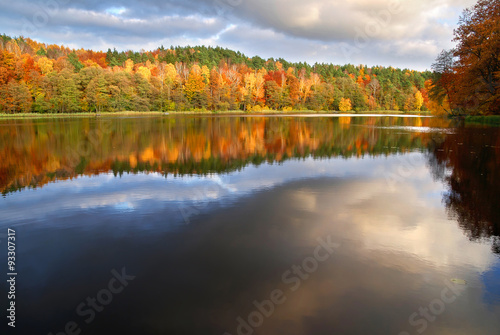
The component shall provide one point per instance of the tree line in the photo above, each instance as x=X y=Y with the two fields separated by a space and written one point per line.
x=37 y=77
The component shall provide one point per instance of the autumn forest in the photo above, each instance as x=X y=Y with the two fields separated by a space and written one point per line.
x=41 y=78
x=49 y=78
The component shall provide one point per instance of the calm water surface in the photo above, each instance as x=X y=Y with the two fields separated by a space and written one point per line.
x=251 y=225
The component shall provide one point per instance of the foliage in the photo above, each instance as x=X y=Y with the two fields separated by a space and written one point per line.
x=59 y=79
x=345 y=105
x=468 y=77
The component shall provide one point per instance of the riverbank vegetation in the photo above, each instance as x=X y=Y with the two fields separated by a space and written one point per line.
x=482 y=119
x=204 y=112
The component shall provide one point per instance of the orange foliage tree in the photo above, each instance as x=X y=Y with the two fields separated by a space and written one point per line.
x=468 y=77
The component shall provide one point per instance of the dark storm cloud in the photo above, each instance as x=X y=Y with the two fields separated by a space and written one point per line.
x=402 y=33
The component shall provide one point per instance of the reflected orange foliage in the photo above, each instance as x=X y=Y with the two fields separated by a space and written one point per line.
x=35 y=153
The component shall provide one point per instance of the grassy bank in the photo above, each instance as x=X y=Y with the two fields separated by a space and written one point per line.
x=199 y=112
x=82 y=114
x=493 y=120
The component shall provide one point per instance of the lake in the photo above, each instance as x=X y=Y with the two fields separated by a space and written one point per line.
x=251 y=225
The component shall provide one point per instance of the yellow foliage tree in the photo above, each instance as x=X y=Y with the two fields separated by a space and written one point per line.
x=195 y=84
x=249 y=84
x=45 y=65
x=129 y=65
x=90 y=63
x=205 y=72
x=144 y=71
x=170 y=73
x=345 y=105
x=419 y=100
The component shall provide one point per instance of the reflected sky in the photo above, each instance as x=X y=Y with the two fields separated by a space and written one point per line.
x=152 y=191
x=398 y=247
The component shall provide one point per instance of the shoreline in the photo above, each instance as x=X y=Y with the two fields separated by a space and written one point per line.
x=490 y=120
x=301 y=113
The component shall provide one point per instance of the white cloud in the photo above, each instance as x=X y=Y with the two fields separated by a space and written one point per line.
x=116 y=10
x=392 y=32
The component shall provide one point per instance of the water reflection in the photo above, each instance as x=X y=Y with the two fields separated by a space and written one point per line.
x=257 y=193
x=469 y=162
x=37 y=152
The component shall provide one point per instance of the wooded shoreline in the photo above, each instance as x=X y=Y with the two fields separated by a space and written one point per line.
x=206 y=112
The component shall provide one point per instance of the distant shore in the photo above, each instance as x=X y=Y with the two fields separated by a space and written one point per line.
x=202 y=112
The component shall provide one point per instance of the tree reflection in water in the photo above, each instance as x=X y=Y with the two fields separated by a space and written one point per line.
x=467 y=159
x=469 y=162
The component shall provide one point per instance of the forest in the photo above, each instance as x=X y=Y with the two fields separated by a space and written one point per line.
x=40 y=78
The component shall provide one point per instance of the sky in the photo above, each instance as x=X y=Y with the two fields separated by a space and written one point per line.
x=399 y=33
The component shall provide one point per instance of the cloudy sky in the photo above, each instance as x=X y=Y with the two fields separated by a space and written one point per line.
x=402 y=33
